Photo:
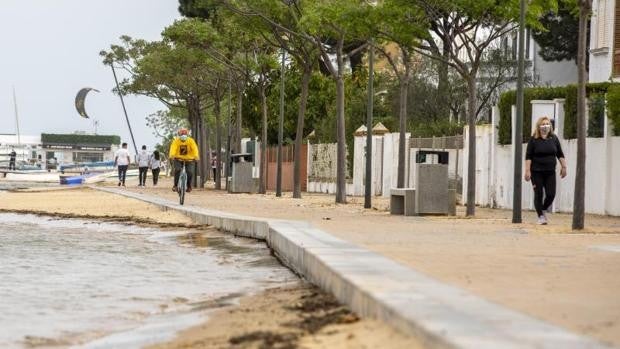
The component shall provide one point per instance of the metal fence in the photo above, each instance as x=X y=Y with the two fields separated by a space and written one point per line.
x=447 y=142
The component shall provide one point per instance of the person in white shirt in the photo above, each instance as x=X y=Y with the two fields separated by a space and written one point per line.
x=122 y=160
x=142 y=160
x=155 y=164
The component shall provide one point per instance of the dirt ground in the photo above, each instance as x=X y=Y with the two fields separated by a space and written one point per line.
x=291 y=317
x=550 y=272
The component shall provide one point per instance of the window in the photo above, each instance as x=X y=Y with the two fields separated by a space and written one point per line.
x=602 y=32
x=617 y=40
x=514 y=46
x=87 y=157
x=528 y=37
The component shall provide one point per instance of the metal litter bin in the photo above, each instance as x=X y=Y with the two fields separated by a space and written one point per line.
x=241 y=180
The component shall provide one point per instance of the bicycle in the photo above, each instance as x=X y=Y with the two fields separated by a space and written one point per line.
x=182 y=183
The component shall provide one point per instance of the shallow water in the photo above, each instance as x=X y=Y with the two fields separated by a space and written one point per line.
x=67 y=283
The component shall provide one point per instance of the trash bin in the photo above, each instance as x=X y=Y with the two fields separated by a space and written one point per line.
x=241 y=180
x=432 y=190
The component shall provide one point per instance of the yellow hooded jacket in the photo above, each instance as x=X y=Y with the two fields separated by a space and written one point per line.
x=184 y=150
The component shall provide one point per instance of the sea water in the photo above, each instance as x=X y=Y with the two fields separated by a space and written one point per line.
x=77 y=283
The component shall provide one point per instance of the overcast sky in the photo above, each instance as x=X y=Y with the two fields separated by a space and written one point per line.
x=50 y=49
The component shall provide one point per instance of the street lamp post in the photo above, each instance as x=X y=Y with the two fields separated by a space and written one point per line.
x=518 y=131
x=280 y=129
x=368 y=179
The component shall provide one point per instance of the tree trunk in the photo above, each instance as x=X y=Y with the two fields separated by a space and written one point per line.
x=218 y=141
x=402 y=141
x=341 y=158
x=205 y=155
x=585 y=6
x=471 y=146
x=193 y=106
x=237 y=148
x=299 y=136
x=263 y=142
x=443 y=87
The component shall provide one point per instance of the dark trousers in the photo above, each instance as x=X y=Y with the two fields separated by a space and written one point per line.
x=214 y=174
x=543 y=180
x=155 y=172
x=142 y=174
x=12 y=165
x=122 y=173
x=189 y=169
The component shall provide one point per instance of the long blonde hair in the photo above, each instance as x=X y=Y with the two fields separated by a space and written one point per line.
x=536 y=133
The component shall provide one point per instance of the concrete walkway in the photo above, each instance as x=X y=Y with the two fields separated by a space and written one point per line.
x=442 y=316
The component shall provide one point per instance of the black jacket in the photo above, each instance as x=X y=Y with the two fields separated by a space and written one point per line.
x=543 y=153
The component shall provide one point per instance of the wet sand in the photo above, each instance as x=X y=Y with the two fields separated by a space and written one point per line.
x=299 y=316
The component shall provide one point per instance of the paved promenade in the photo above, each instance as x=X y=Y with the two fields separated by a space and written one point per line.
x=568 y=280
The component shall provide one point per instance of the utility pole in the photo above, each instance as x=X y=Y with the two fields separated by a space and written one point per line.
x=280 y=129
x=518 y=131
x=369 y=115
x=120 y=94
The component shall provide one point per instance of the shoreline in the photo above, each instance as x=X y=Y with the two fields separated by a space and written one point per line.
x=252 y=317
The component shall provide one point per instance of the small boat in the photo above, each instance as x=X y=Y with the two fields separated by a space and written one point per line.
x=71 y=179
x=85 y=178
x=31 y=176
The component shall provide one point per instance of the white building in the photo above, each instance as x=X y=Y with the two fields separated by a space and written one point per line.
x=537 y=70
x=25 y=147
x=604 y=57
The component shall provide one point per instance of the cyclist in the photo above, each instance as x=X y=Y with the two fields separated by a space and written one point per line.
x=183 y=149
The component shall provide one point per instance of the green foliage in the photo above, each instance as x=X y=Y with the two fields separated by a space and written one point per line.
x=437 y=128
x=79 y=139
x=613 y=107
x=557 y=38
x=596 y=117
x=569 y=93
x=508 y=99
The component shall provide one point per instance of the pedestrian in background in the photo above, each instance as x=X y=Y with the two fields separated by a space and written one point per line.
x=540 y=162
x=142 y=159
x=214 y=165
x=12 y=157
x=122 y=159
x=155 y=164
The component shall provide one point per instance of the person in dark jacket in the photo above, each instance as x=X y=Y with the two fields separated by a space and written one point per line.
x=540 y=162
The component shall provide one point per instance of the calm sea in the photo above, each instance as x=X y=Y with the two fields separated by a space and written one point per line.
x=76 y=283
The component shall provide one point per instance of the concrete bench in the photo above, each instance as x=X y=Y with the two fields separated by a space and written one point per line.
x=402 y=201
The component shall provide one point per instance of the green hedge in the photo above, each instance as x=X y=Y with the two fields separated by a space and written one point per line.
x=569 y=93
x=613 y=107
x=79 y=139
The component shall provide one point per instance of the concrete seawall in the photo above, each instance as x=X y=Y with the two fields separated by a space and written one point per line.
x=442 y=316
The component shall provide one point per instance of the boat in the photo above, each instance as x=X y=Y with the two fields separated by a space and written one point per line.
x=31 y=176
x=98 y=165
x=71 y=179
x=85 y=178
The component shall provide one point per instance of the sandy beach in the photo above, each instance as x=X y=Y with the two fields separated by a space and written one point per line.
x=299 y=316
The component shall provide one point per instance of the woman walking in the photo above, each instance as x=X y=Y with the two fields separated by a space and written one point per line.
x=540 y=162
x=155 y=165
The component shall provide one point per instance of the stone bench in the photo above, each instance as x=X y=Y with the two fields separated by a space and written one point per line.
x=402 y=201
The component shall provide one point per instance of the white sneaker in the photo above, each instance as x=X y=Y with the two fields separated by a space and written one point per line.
x=542 y=220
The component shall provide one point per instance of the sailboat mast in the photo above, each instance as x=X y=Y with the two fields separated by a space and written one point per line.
x=16 y=117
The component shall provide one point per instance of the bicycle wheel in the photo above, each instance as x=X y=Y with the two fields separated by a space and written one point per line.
x=182 y=187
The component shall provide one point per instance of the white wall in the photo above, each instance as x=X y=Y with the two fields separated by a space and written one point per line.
x=359 y=165
x=495 y=174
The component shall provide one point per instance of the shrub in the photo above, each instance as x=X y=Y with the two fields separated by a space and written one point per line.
x=569 y=93
x=613 y=107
